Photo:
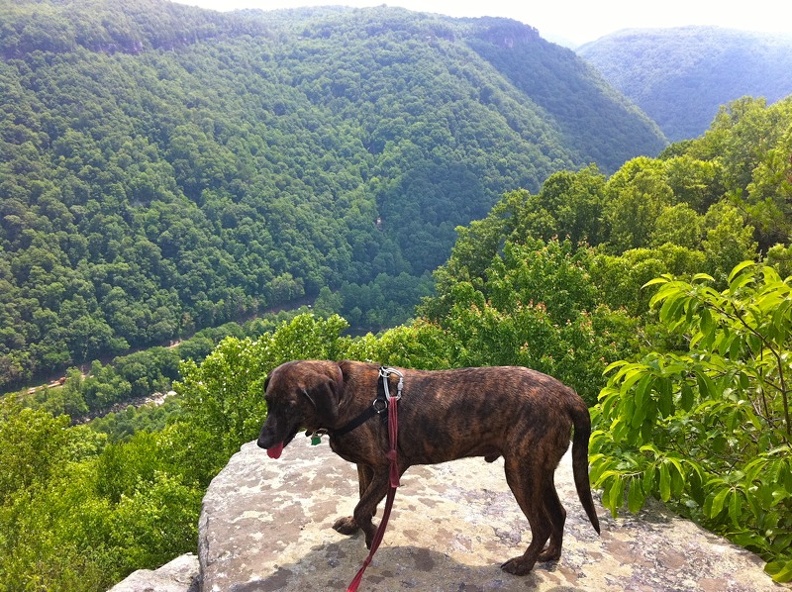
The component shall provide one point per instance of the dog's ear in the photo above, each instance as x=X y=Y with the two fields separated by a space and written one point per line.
x=324 y=397
x=326 y=394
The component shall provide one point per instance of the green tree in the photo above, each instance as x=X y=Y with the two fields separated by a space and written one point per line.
x=574 y=200
x=729 y=240
x=33 y=445
x=679 y=225
x=156 y=521
x=637 y=194
x=535 y=305
x=223 y=396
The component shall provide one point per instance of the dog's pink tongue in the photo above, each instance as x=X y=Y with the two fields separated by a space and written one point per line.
x=275 y=451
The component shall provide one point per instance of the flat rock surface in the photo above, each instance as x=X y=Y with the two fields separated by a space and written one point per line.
x=266 y=526
x=179 y=575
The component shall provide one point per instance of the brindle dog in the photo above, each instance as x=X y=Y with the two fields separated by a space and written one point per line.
x=520 y=414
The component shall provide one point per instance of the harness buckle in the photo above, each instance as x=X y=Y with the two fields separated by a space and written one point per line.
x=380 y=405
x=385 y=373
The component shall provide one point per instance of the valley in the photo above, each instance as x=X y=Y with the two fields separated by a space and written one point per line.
x=190 y=198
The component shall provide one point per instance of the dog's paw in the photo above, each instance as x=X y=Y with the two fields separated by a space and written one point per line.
x=346 y=525
x=518 y=566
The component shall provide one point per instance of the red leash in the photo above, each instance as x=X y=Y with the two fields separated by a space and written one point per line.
x=393 y=434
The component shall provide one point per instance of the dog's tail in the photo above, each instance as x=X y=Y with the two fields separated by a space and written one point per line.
x=580 y=443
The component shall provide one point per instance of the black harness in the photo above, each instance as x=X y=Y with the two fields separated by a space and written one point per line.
x=378 y=407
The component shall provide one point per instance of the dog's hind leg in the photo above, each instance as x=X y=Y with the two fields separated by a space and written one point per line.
x=556 y=515
x=528 y=490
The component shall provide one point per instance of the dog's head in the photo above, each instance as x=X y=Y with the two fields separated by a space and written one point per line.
x=299 y=395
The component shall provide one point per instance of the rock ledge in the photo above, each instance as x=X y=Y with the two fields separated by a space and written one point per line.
x=266 y=526
x=179 y=575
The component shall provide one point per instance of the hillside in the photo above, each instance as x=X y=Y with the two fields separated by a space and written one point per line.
x=687 y=374
x=680 y=76
x=166 y=168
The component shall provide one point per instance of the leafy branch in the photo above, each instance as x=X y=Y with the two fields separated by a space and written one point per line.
x=708 y=429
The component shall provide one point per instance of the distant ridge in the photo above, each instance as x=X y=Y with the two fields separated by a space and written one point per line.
x=680 y=76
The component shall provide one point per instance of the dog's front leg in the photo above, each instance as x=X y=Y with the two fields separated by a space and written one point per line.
x=348 y=524
x=365 y=475
x=374 y=494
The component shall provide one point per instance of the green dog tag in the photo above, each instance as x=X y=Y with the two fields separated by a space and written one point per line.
x=316 y=440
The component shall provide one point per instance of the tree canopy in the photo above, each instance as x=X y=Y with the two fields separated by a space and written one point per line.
x=165 y=168
x=678 y=338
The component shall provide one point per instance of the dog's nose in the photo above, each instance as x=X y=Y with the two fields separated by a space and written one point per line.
x=262 y=444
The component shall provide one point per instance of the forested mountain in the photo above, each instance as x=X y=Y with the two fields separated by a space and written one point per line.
x=680 y=76
x=165 y=168
x=656 y=292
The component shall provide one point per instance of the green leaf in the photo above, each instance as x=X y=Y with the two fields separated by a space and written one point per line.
x=781 y=317
x=608 y=399
x=665 y=483
x=667 y=291
x=604 y=478
x=718 y=502
x=700 y=277
x=670 y=309
x=707 y=388
x=614 y=365
x=705 y=321
x=695 y=485
x=738 y=268
x=665 y=400
x=735 y=508
x=641 y=394
x=650 y=447
x=658 y=280
x=649 y=479
x=782 y=544
x=616 y=495
x=599 y=464
x=648 y=427
x=780 y=570
x=735 y=349
x=631 y=377
x=770 y=275
x=677 y=477
x=740 y=281
x=635 y=496
x=724 y=342
x=686 y=398
x=788 y=477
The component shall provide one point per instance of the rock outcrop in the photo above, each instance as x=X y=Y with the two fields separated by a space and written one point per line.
x=179 y=575
x=266 y=526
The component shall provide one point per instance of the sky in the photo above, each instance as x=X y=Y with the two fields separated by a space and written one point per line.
x=575 y=22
